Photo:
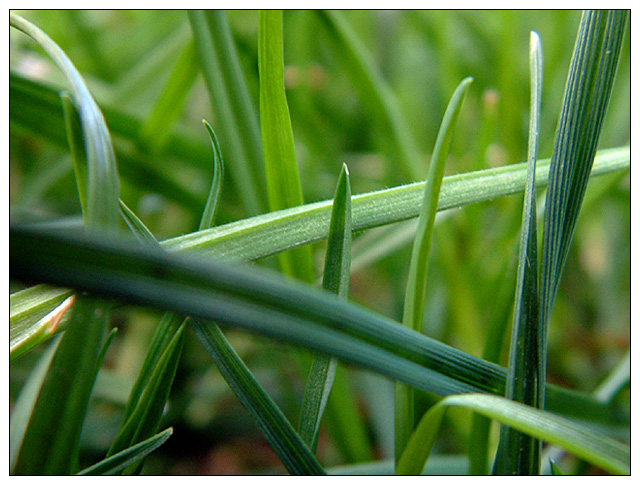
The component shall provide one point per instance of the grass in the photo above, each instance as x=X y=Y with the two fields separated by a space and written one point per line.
x=190 y=299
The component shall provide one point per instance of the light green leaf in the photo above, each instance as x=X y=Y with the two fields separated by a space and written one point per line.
x=417 y=281
x=604 y=452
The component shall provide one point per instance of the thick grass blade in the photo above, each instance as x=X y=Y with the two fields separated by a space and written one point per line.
x=599 y=450
x=154 y=133
x=36 y=314
x=376 y=94
x=125 y=458
x=287 y=444
x=519 y=453
x=102 y=175
x=223 y=87
x=413 y=313
x=266 y=304
x=336 y=280
x=284 y=189
x=587 y=93
x=64 y=396
x=272 y=233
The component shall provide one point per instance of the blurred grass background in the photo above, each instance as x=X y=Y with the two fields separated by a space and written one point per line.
x=127 y=57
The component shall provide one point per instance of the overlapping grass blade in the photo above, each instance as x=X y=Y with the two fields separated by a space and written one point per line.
x=268 y=234
x=102 y=174
x=587 y=93
x=35 y=315
x=264 y=303
x=376 y=94
x=224 y=83
x=284 y=188
x=121 y=460
x=519 y=453
x=604 y=452
x=64 y=395
x=413 y=313
x=336 y=280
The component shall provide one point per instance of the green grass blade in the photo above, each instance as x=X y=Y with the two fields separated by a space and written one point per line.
x=375 y=93
x=266 y=304
x=121 y=460
x=155 y=132
x=269 y=234
x=242 y=169
x=36 y=314
x=413 y=313
x=587 y=93
x=23 y=406
x=209 y=213
x=599 y=450
x=284 y=189
x=286 y=443
x=102 y=175
x=139 y=230
x=64 y=396
x=336 y=280
x=519 y=453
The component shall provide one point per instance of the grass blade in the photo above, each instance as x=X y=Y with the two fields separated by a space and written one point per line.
x=120 y=461
x=587 y=93
x=519 y=453
x=336 y=280
x=209 y=213
x=223 y=88
x=266 y=304
x=413 y=313
x=281 y=168
x=604 y=452
x=64 y=396
x=376 y=94
x=102 y=175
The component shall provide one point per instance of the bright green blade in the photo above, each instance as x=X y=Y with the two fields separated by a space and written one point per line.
x=125 y=458
x=413 y=313
x=336 y=280
x=264 y=303
x=284 y=188
x=519 y=453
x=209 y=213
x=64 y=395
x=102 y=184
x=599 y=450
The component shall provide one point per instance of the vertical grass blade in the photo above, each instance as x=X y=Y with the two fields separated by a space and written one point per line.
x=518 y=453
x=336 y=280
x=223 y=88
x=417 y=281
x=281 y=168
x=376 y=94
x=587 y=94
x=63 y=399
x=209 y=213
x=102 y=175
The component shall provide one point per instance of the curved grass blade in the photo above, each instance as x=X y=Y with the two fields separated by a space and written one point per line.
x=587 y=94
x=102 y=175
x=519 y=453
x=413 y=313
x=375 y=92
x=269 y=234
x=244 y=154
x=264 y=303
x=36 y=313
x=336 y=280
x=120 y=461
x=286 y=443
x=209 y=213
x=604 y=452
x=284 y=189
x=64 y=396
